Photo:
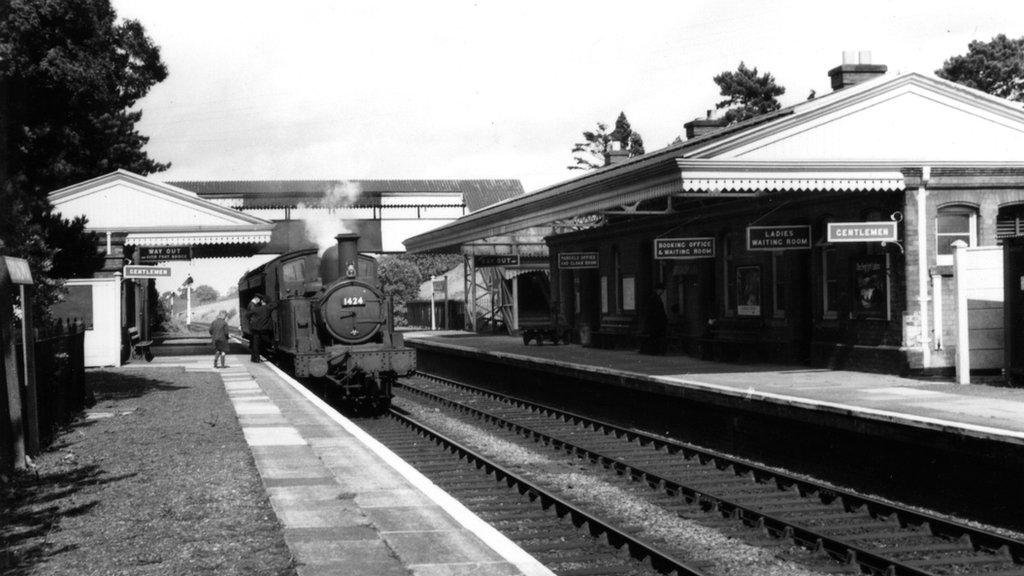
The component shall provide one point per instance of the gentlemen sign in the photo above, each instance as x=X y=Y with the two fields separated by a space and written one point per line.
x=577 y=260
x=778 y=237
x=884 y=231
x=153 y=254
x=492 y=260
x=146 y=271
x=683 y=248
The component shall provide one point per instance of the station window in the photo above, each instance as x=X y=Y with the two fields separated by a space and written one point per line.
x=628 y=291
x=951 y=224
x=1010 y=222
x=829 y=283
x=778 y=285
x=617 y=276
x=728 y=279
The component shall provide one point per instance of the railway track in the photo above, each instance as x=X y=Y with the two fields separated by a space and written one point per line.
x=570 y=541
x=875 y=536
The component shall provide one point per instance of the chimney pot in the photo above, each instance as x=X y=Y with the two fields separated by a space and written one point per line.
x=701 y=126
x=850 y=73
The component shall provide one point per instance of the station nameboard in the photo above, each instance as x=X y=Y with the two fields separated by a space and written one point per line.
x=146 y=272
x=154 y=254
x=778 y=237
x=884 y=231
x=683 y=248
x=492 y=260
x=18 y=270
x=577 y=260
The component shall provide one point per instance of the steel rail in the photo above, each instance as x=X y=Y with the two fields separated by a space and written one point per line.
x=980 y=539
x=597 y=527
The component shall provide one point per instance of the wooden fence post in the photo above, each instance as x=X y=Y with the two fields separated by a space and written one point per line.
x=12 y=438
x=29 y=359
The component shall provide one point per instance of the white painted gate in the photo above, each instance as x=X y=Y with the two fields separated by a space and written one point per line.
x=979 y=302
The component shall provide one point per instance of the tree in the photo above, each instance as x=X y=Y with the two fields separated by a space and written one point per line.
x=70 y=74
x=204 y=294
x=399 y=279
x=747 y=94
x=995 y=67
x=432 y=264
x=591 y=153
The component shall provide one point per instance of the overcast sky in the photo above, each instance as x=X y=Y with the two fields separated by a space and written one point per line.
x=461 y=89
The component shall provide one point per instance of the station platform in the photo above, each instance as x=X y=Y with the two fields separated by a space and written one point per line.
x=347 y=504
x=983 y=411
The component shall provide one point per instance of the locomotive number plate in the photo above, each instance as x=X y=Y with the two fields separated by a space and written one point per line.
x=353 y=301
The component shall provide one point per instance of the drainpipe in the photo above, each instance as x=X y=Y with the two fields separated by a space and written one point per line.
x=922 y=266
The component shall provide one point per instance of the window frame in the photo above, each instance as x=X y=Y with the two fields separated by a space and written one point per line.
x=972 y=230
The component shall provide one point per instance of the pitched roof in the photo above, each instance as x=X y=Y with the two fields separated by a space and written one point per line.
x=476 y=194
x=759 y=144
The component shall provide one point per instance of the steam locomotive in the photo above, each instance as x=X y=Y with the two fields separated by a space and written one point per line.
x=332 y=322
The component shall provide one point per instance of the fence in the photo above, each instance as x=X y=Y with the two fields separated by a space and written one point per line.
x=418 y=314
x=59 y=377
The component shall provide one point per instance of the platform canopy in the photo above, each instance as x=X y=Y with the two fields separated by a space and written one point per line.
x=146 y=212
x=579 y=203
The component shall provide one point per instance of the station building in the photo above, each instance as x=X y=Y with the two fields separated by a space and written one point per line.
x=823 y=233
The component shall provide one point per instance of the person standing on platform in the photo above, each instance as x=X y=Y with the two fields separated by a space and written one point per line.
x=260 y=326
x=219 y=335
x=655 y=323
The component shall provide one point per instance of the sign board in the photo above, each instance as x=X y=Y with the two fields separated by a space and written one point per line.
x=577 y=260
x=493 y=260
x=884 y=231
x=147 y=272
x=778 y=238
x=683 y=248
x=19 y=270
x=154 y=254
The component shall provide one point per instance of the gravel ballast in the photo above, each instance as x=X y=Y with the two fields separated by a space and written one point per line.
x=156 y=479
x=620 y=502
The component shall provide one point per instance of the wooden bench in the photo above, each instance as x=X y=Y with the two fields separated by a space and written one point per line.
x=138 y=348
x=729 y=346
x=614 y=332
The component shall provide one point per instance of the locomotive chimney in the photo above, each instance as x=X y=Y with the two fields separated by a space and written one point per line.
x=348 y=255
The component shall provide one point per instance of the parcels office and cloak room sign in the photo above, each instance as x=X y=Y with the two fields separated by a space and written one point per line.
x=155 y=254
x=683 y=248
x=577 y=260
x=778 y=238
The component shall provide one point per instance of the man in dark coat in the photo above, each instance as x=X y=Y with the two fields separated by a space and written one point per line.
x=219 y=336
x=260 y=326
x=655 y=323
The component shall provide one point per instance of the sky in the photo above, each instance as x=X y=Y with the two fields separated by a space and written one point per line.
x=314 y=89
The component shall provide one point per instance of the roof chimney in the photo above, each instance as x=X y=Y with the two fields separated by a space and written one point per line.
x=615 y=154
x=701 y=126
x=855 y=69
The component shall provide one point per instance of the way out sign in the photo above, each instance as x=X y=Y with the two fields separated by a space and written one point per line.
x=155 y=254
x=683 y=248
x=495 y=260
x=884 y=231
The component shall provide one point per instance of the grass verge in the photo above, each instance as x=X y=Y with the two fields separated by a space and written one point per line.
x=157 y=479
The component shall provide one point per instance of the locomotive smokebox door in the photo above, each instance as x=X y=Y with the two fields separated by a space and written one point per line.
x=352 y=312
